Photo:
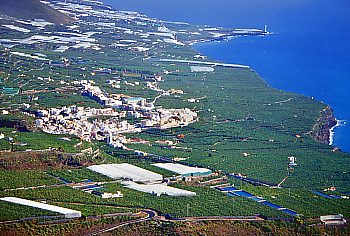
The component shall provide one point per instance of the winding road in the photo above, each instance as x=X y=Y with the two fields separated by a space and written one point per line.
x=150 y=215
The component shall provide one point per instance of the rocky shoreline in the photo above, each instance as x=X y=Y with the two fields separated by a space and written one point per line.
x=321 y=131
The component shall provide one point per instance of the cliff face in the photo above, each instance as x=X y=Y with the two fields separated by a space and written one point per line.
x=321 y=130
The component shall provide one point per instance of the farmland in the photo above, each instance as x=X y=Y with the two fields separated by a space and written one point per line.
x=243 y=126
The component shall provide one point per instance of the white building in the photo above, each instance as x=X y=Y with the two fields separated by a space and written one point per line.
x=184 y=170
x=158 y=189
x=333 y=220
x=126 y=171
x=118 y=194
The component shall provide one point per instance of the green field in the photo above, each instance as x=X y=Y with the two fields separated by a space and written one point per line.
x=12 y=211
x=27 y=178
x=244 y=126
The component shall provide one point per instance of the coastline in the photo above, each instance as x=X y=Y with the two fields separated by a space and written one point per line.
x=292 y=35
x=331 y=132
x=239 y=124
x=323 y=133
x=323 y=130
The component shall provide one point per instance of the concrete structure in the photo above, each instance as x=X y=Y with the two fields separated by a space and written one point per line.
x=158 y=189
x=292 y=161
x=333 y=220
x=184 y=170
x=118 y=194
x=68 y=213
x=201 y=69
x=126 y=171
x=135 y=101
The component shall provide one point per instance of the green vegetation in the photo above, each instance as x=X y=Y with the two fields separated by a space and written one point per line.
x=248 y=124
x=206 y=202
x=51 y=100
x=78 y=175
x=76 y=227
x=12 y=211
x=37 y=141
x=222 y=228
x=96 y=210
x=303 y=201
x=244 y=127
x=27 y=178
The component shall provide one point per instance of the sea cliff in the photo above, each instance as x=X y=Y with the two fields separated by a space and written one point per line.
x=321 y=130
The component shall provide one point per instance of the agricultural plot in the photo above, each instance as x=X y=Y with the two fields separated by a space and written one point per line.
x=12 y=211
x=22 y=179
x=244 y=126
x=68 y=213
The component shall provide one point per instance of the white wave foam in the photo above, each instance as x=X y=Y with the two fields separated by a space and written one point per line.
x=331 y=131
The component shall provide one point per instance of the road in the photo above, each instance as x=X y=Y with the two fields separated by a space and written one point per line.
x=153 y=215
x=150 y=214
x=205 y=63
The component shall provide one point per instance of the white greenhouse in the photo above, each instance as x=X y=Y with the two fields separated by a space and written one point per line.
x=68 y=213
x=158 y=189
x=184 y=170
x=126 y=171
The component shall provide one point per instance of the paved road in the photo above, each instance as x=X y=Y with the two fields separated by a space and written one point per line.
x=205 y=63
x=216 y=218
x=150 y=214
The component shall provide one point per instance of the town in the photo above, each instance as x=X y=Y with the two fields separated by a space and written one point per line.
x=74 y=120
x=111 y=118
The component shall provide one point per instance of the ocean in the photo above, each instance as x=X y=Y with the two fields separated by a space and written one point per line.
x=309 y=52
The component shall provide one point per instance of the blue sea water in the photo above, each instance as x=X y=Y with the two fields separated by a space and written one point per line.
x=309 y=52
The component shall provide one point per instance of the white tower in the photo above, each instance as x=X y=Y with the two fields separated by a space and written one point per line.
x=265 y=29
x=292 y=161
x=109 y=137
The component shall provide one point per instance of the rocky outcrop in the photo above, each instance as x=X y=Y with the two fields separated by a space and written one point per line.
x=321 y=130
x=14 y=123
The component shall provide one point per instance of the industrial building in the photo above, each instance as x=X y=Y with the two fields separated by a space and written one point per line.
x=68 y=213
x=158 y=189
x=126 y=171
x=183 y=170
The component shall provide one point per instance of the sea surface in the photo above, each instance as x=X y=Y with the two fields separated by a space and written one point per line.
x=309 y=52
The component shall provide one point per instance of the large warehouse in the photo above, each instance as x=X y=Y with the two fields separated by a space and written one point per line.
x=68 y=213
x=184 y=170
x=158 y=189
x=126 y=171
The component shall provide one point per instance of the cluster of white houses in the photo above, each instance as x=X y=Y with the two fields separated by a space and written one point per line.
x=74 y=120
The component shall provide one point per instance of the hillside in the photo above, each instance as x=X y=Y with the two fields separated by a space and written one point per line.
x=119 y=87
x=32 y=9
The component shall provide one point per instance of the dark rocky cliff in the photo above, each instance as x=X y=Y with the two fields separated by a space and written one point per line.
x=321 y=130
